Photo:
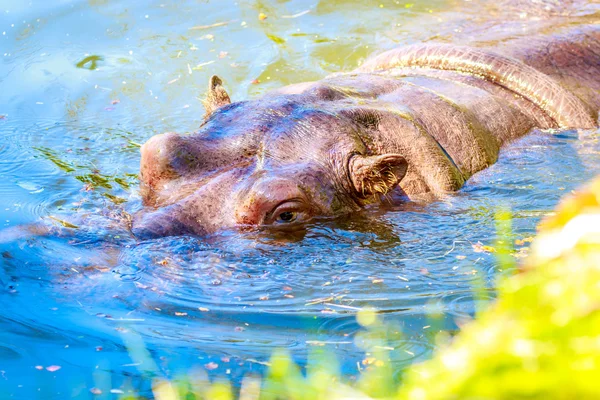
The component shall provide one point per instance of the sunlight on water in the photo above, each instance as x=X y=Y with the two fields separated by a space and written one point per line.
x=85 y=83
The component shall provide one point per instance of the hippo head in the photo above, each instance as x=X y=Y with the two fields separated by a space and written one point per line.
x=276 y=161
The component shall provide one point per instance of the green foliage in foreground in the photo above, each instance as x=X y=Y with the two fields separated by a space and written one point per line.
x=540 y=340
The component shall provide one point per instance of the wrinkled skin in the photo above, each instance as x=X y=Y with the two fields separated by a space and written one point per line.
x=416 y=122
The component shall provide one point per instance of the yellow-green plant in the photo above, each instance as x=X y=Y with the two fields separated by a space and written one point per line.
x=541 y=338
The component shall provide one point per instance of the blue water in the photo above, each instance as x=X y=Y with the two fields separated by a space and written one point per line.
x=69 y=148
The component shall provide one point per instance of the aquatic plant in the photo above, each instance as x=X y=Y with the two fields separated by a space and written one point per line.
x=540 y=339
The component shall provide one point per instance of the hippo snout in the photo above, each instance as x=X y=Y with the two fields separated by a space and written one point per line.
x=156 y=163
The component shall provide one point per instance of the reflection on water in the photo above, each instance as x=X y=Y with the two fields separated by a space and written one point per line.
x=84 y=83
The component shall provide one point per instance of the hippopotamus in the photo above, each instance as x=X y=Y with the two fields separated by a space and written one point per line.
x=411 y=123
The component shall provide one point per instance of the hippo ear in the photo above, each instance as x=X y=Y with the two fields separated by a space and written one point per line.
x=372 y=175
x=216 y=96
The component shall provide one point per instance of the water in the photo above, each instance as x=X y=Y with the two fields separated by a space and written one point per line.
x=84 y=83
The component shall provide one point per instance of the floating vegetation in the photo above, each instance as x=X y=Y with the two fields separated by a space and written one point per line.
x=90 y=62
x=276 y=39
x=115 y=199
x=63 y=223
x=95 y=180
x=215 y=25
x=50 y=155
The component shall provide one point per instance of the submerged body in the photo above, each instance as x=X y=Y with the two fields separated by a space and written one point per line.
x=416 y=121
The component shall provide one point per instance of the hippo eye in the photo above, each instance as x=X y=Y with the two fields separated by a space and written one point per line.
x=286 y=213
x=287 y=216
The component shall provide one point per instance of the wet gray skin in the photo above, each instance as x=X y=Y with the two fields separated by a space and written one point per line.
x=416 y=121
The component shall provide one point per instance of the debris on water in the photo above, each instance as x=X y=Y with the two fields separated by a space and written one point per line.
x=215 y=25
x=276 y=39
x=99 y=348
x=239 y=329
x=521 y=242
x=223 y=54
x=180 y=314
x=253 y=360
x=481 y=248
x=95 y=391
x=522 y=252
x=324 y=342
x=90 y=62
x=369 y=361
x=53 y=368
x=211 y=365
x=199 y=66
x=65 y=224
x=115 y=101
x=39 y=367
x=203 y=309
x=461 y=257
x=301 y=13
x=140 y=285
x=116 y=391
x=265 y=297
x=377 y=280
x=262 y=16
x=318 y=301
x=343 y=306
